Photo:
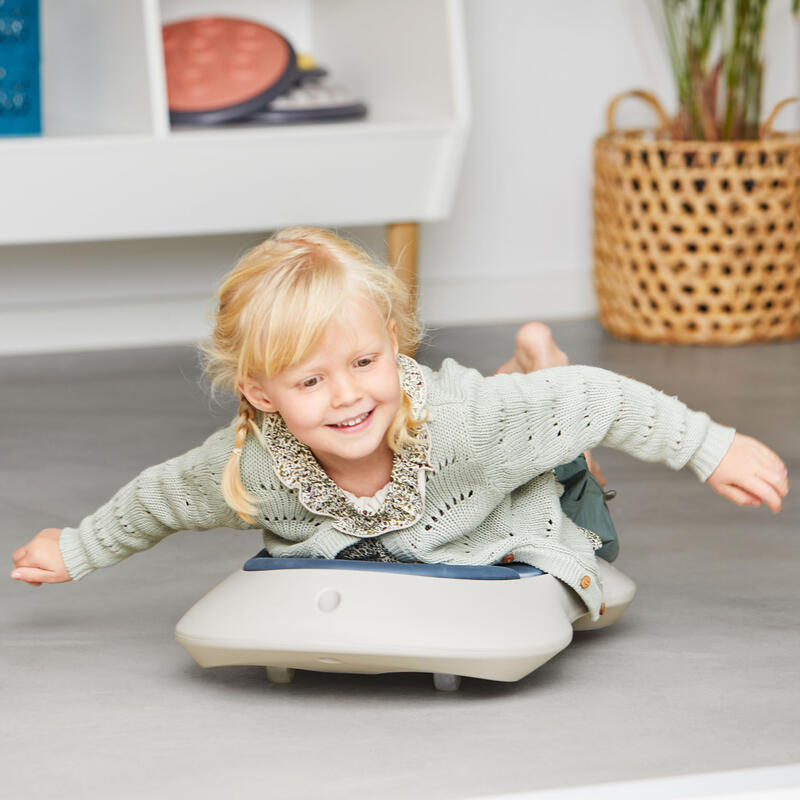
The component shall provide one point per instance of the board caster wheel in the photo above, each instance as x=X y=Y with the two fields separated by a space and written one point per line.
x=444 y=682
x=280 y=674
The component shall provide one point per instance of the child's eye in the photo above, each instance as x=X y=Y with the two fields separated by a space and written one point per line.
x=310 y=383
x=364 y=362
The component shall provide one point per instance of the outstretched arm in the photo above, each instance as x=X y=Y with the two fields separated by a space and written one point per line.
x=523 y=425
x=654 y=427
x=181 y=494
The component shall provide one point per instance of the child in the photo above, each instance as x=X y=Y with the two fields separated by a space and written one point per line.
x=345 y=448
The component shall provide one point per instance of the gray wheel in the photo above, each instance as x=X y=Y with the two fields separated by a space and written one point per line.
x=445 y=682
x=280 y=674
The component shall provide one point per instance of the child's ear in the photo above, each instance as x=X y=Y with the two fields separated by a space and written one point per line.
x=254 y=392
x=393 y=334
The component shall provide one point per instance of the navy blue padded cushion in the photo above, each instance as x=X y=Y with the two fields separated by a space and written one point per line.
x=510 y=572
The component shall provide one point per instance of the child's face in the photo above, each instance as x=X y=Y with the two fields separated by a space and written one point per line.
x=341 y=401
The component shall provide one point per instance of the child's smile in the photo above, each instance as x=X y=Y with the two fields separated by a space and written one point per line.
x=354 y=424
x=342 y=400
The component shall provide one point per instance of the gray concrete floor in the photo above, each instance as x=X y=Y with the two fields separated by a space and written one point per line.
x=701 y=675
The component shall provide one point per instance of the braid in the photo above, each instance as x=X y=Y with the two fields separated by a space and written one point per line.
x=404 y=426
x=233 y=489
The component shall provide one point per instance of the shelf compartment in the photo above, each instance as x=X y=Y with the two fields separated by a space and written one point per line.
x=95 y=68
x=365 y=45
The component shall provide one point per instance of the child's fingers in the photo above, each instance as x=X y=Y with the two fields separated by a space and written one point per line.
x=775 y=467
x=774 y=472
x=19 y=554
x=739 y=496
x=779 y=482
x=34 y=575
x=763 y=490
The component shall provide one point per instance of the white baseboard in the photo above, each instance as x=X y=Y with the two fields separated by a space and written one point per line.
x=544 y=296
x=103 y=326
x=119 y=323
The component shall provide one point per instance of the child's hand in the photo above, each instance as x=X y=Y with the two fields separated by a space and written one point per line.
x=40 y=560
x=749 y=473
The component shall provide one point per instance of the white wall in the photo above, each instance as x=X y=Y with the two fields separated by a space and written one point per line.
x=518 y=243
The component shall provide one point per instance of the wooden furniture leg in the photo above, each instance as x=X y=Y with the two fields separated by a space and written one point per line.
x=401 y=251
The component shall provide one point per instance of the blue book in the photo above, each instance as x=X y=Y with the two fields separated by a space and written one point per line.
x=20 y=89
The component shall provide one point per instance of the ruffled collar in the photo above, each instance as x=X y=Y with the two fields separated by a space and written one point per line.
x=296 y=468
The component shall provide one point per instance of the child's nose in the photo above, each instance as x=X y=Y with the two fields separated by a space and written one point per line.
x=345 y=391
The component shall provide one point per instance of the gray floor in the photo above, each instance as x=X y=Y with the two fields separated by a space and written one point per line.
x=98 y=700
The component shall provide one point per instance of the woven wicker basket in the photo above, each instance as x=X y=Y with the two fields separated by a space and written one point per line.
x=697 y=242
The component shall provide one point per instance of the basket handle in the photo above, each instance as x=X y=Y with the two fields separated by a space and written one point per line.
x=766 y=127
x=650 y=99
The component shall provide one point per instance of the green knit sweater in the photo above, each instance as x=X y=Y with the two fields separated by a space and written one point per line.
x=476 y=486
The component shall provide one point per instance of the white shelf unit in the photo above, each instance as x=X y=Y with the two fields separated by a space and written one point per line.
x=108 y=166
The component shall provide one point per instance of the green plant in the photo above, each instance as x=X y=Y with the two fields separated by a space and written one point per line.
x=715 y=48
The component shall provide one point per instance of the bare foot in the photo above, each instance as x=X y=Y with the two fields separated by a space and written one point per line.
x=535 y=348
x=594 y=468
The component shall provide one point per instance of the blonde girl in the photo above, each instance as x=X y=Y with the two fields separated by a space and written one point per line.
x=344 y=446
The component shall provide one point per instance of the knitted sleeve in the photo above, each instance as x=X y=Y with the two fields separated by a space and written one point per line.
x=183 y=493
x=524 y=425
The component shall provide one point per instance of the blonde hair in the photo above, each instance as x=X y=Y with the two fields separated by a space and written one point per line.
x=273 y=309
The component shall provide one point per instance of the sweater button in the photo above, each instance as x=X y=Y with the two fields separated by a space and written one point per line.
x=508 y=558
x=586 y=582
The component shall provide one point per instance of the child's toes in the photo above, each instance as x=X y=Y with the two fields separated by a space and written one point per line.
x=536 y=348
